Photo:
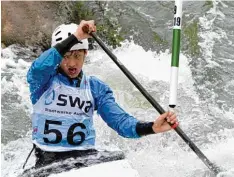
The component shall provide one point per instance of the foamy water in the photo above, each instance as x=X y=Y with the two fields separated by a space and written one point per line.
x=163 y=155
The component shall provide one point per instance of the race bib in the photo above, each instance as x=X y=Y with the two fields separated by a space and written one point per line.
x=65 y=132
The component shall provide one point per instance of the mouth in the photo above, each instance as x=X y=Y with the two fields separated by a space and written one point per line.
x=72 y=71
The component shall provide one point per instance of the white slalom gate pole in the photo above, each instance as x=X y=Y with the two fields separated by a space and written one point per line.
x=175 y=53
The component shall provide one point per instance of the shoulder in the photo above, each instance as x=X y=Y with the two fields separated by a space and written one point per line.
x=96 y=81
x=98 y=86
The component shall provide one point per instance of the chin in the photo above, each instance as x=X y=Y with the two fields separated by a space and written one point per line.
x=72 y=77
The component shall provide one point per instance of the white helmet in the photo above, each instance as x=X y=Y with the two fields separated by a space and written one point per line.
x=63 y=31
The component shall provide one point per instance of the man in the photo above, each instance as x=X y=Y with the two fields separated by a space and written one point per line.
x=64 y=100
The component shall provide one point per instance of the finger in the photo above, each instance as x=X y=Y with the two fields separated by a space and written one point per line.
x=171 y=114
x=170 y=121
x=175 y=125
x=160 y=120
x=173 y=119
x=168 y=118
x=93 y=28
x=171 y=126
x=163 y=116
x=92 y=22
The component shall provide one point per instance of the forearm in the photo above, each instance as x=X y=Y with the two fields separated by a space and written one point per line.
x=144 y=128
x=123 y=123
x=66 y=44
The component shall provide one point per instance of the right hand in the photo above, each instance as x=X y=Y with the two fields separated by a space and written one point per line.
x=161 y=123
x=80 y=34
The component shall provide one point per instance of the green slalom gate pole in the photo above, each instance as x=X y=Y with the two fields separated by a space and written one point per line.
x=175 y=53
x=153 y=102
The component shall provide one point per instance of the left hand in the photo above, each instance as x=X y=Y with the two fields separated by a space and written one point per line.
x=80 y=34
x=161 y=125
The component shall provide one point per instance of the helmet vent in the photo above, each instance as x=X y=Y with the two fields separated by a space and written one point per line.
x=57 y=33
x=59 y=39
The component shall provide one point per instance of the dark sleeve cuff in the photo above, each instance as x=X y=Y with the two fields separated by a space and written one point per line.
x=66 y=44
x=144 y=128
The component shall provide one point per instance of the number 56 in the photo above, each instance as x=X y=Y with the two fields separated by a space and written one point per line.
x=70 y=133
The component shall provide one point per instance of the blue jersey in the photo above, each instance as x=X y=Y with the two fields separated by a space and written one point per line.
x=43 y=73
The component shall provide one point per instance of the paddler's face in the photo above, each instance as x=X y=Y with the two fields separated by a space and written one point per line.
x=72 y=62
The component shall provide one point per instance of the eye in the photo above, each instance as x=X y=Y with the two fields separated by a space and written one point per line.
x=77 y=56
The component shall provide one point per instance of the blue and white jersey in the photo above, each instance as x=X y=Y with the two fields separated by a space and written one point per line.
x=62 y=118
x=63 y=113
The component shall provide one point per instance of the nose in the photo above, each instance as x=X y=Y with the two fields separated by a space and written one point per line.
x=71 y=63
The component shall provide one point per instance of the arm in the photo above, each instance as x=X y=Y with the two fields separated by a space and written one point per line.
x=115 y=117
x=41 y=71
x=44 y=68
